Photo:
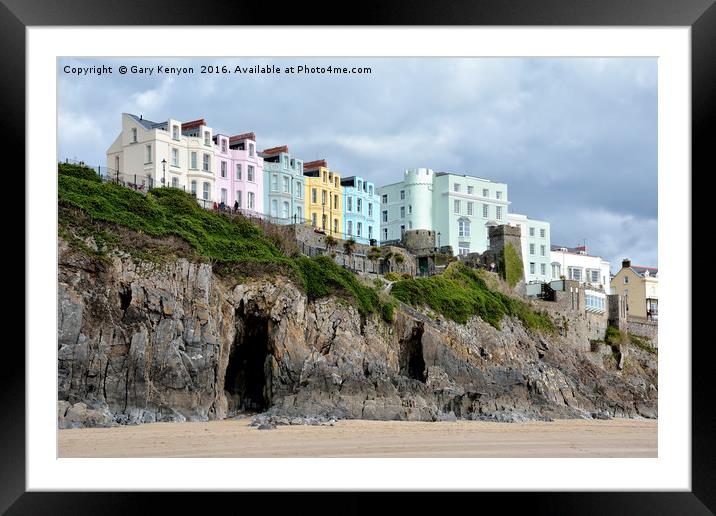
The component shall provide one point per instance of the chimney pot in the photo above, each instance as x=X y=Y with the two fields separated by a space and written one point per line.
x=626 y=263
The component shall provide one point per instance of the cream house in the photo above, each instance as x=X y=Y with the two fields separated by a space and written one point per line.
x=171 y=153
x=640 y=286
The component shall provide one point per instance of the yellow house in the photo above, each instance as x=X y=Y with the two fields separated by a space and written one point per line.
x=324 y=197
x=640 y=286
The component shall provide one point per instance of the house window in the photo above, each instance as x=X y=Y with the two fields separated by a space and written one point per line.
x=285 y=211
x=626 y=279
x=175 y=132
x=250 y=200
x=469 y=208
x=402 y=195
x=532 y=249
x=224 y=196
x=575 y=273
x=463 y=248
x=359 y=205
x=193 y=161
x=206 y=191
x=359 y=229
x=463 y=228
x=542 y=232
x=486 y=210
x=223 y=145
x=402 y=212
x=149 y=154
x=349 y=204
x=532 y=232
x=323 y=197
x=542 y=250
x=299 y=213
x=335 y=225
x=238 y=197
x=385 y=199
x=251 y=149
x=370 y=232
x=543 y=269
x=323 y=221
x=205 y=164
x=116 y=163
x=293 y=163
x=350 y=228
x=385 y=216
x=274 y=182
x=207 y=138
x=498 y=195
x=299 y=189
x=402 y=230
x=335 y=202
x=370 y=190
x=555 y=270
x=385 y=234
x=223 y=169
x=485 y=192
x=314 y=199
x=250 y=173
x=594 y=276
x=193 y=187
x=456 y=206
x=175 y=182
x=134 y=135
x=370 y=209
x=314 y=220
x=498 y=212
x=470 y=190
x=238 y=171
x=175 y=157
x=286 y=184
x=274 y=208
x=456 y=187
x=532 y=267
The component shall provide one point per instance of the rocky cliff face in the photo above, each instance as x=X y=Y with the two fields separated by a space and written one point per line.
x=144 y=342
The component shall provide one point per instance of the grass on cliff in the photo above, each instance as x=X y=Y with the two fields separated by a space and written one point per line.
x=460 y=293
x=229 y=243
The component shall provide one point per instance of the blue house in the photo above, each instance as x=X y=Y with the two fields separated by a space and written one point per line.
x=361 y=205
x=284 y=186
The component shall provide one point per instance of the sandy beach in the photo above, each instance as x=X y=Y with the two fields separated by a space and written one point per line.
x=357 y=438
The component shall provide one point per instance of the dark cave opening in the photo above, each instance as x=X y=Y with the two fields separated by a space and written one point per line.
x=125 y=297
x=248 y=374
x=412 y=363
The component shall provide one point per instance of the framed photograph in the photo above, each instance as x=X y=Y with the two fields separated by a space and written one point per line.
x=418 y=253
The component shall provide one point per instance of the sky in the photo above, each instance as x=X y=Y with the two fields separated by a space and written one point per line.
x=575 y=139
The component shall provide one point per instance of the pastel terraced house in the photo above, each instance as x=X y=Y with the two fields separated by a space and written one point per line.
x=324 y=197
x=239 y=172
x=361 y=205
x=536 y=247
x=284 y=186
x=640 y=287
x=576 y=264
x=170 y=153
x=459 y=208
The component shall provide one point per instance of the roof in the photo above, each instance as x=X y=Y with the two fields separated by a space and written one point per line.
x=582 y=250
x=312 y=165
x=275 y=150
x=192 y=124
x=147 y=124
x=640 y=270
x=438 y=174
x=243 y=136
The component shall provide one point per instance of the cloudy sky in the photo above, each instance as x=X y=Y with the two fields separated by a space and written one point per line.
x=574 y=139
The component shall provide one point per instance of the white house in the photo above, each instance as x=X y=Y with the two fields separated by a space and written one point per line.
x=574 y=263
x=536 y=247
x=171 y=153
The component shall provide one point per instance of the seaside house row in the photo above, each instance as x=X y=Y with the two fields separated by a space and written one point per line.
x=640 y=288
x=536 y=248
x=576 y=264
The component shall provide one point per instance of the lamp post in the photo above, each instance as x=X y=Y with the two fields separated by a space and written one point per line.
x=164 y=172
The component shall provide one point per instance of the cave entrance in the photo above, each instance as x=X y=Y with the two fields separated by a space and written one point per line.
x=248 y=374
x=412 y=363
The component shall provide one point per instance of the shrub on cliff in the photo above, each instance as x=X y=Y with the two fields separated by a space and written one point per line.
x=460 y=293
x=510 y=266
x=79 y=171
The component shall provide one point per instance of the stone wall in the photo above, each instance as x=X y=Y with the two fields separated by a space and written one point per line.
x=643 y=328
x=419 y=241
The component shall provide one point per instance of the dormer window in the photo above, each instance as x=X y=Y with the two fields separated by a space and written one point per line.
x=134 y=135
x=207 y=138
x=175 y=132
x=223 y=145
x=251 y=149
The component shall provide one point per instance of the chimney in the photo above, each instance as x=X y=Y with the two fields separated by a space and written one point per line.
x=626 y=263
x=141 y=117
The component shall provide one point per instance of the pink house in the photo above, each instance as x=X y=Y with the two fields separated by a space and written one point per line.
x=239 y=172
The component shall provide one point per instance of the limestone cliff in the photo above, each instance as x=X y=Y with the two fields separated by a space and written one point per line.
x=143 y=342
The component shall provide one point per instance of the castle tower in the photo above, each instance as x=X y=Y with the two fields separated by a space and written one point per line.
x=418 y=184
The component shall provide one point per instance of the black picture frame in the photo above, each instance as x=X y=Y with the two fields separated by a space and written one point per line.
x=700 y=15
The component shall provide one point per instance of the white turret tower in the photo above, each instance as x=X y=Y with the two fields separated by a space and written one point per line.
x=418 y=184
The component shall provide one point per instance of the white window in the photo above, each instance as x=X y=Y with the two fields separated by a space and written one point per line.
x=542 y=232
x=463 y=248
x=498 y=212
x=350 y=228
x=205 y=164
x=543 y=269
x=543 y=250
x=193 y=160
x=238 y=171
x=274 y=208
x=486 y=210
x=463 y=228
x=359 y=205
x=370 y=189
x=456 y=206
x=149 y=154
x=175 y=157
x=359 y=229
x=206 y=191
x=594 y=276
x=193 y=187
x=299 y=189
x=469 y=208
x=532 y=267
x=555 y=270
x=402 y=212
x=485 y=192
x=223 y=169
x=532 y=249
x=532 y=232
x=224 y=196
x=238 y=197
x=470 y=190
x=323 y=197
x=175 y=132
x=349 y=203
x=251 y=149
x=134 y=135
x=402 y=195
x=498 y=195
x=385 y=216
x=456 y=187
x=370 y=232
x=370 y=209
x=285 y=212
x=250 y=200
x=175 y=182
x=314 y=197
x=575 y=273
x=250 y=173
x=385 y=199
x=223 y=145
x=274 y=182
x=286 y=184
x=207 y=138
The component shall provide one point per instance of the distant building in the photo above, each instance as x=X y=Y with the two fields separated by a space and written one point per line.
x=284 y=186
x=360 y=210
x=640 y=286
x=239 y=172
x=536 y=248
x=458 y=208
x=574 y=263
x=323 y=197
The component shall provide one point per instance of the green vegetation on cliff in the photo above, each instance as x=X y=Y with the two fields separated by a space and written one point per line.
x=510 y=266
x=460 y=293
x=230 y=243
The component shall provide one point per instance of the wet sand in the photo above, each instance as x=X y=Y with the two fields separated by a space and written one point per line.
x=235 y=438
